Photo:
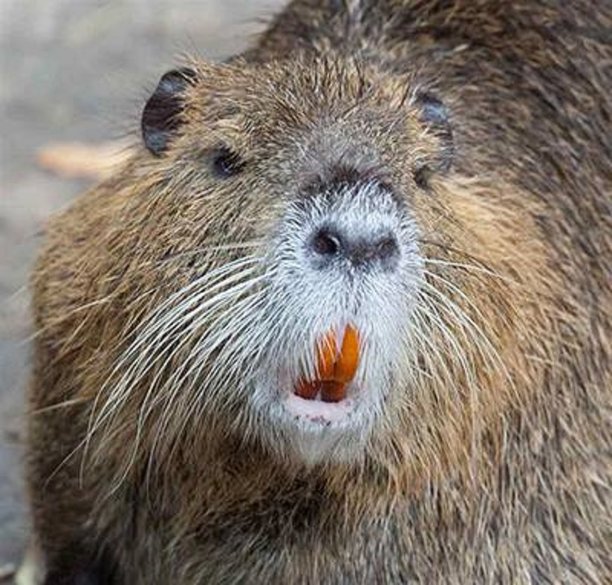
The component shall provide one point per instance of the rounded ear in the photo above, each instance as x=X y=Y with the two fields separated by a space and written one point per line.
x=161 y=114
x=435 y=115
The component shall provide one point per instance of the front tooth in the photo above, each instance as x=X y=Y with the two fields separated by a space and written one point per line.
x=307 y=390
x=348 y=360
x=333 y=391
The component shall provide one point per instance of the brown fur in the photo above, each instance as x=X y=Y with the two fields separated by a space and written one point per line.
x=496 y=469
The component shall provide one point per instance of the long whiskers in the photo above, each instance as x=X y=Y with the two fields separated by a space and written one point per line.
x=469 y=268
x=466 y=324
x=207 y=249
x=160 y=338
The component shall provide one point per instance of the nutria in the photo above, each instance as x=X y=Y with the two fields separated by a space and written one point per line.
x=344 y=316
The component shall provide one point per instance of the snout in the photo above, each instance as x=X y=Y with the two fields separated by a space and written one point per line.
x=345 y=268
x=353 y=230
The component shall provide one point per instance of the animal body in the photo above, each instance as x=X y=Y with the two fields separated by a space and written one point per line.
x=344 y=317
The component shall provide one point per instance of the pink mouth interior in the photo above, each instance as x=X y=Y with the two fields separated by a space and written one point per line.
x=318 y=410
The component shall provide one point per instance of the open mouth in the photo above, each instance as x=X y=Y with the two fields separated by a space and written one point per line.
x=326 y=398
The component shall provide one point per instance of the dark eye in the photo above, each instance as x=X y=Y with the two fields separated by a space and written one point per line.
x=422 y=176
x=226 y=163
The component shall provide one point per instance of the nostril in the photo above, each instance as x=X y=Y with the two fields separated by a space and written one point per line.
x=387 y=248
x=326 y=242
x=383 y=251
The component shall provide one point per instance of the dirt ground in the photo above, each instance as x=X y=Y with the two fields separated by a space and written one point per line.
x=75 y=70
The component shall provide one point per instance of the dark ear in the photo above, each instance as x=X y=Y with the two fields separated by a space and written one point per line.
x=435 y=115
x=161 y=114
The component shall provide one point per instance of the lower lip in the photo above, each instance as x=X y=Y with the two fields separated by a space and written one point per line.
x=318 y=411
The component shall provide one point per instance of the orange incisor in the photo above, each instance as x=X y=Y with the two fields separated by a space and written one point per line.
x=336 y=367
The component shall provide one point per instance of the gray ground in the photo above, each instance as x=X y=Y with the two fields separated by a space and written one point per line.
x=75 y=70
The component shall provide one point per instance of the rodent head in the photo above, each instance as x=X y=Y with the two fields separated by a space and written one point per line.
x=323 y=284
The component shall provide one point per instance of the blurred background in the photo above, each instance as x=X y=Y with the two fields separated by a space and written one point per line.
x=76 y=70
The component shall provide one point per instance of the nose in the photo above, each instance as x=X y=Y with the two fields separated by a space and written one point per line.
x=366 y=250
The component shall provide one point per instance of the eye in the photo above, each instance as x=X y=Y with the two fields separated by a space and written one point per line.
x=226 y=163
x=422 y=176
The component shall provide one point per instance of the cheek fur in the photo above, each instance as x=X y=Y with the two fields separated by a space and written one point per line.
x=483 y=325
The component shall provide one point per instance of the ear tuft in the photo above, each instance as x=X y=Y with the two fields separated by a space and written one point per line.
x=435 y=115
x=161 y=114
